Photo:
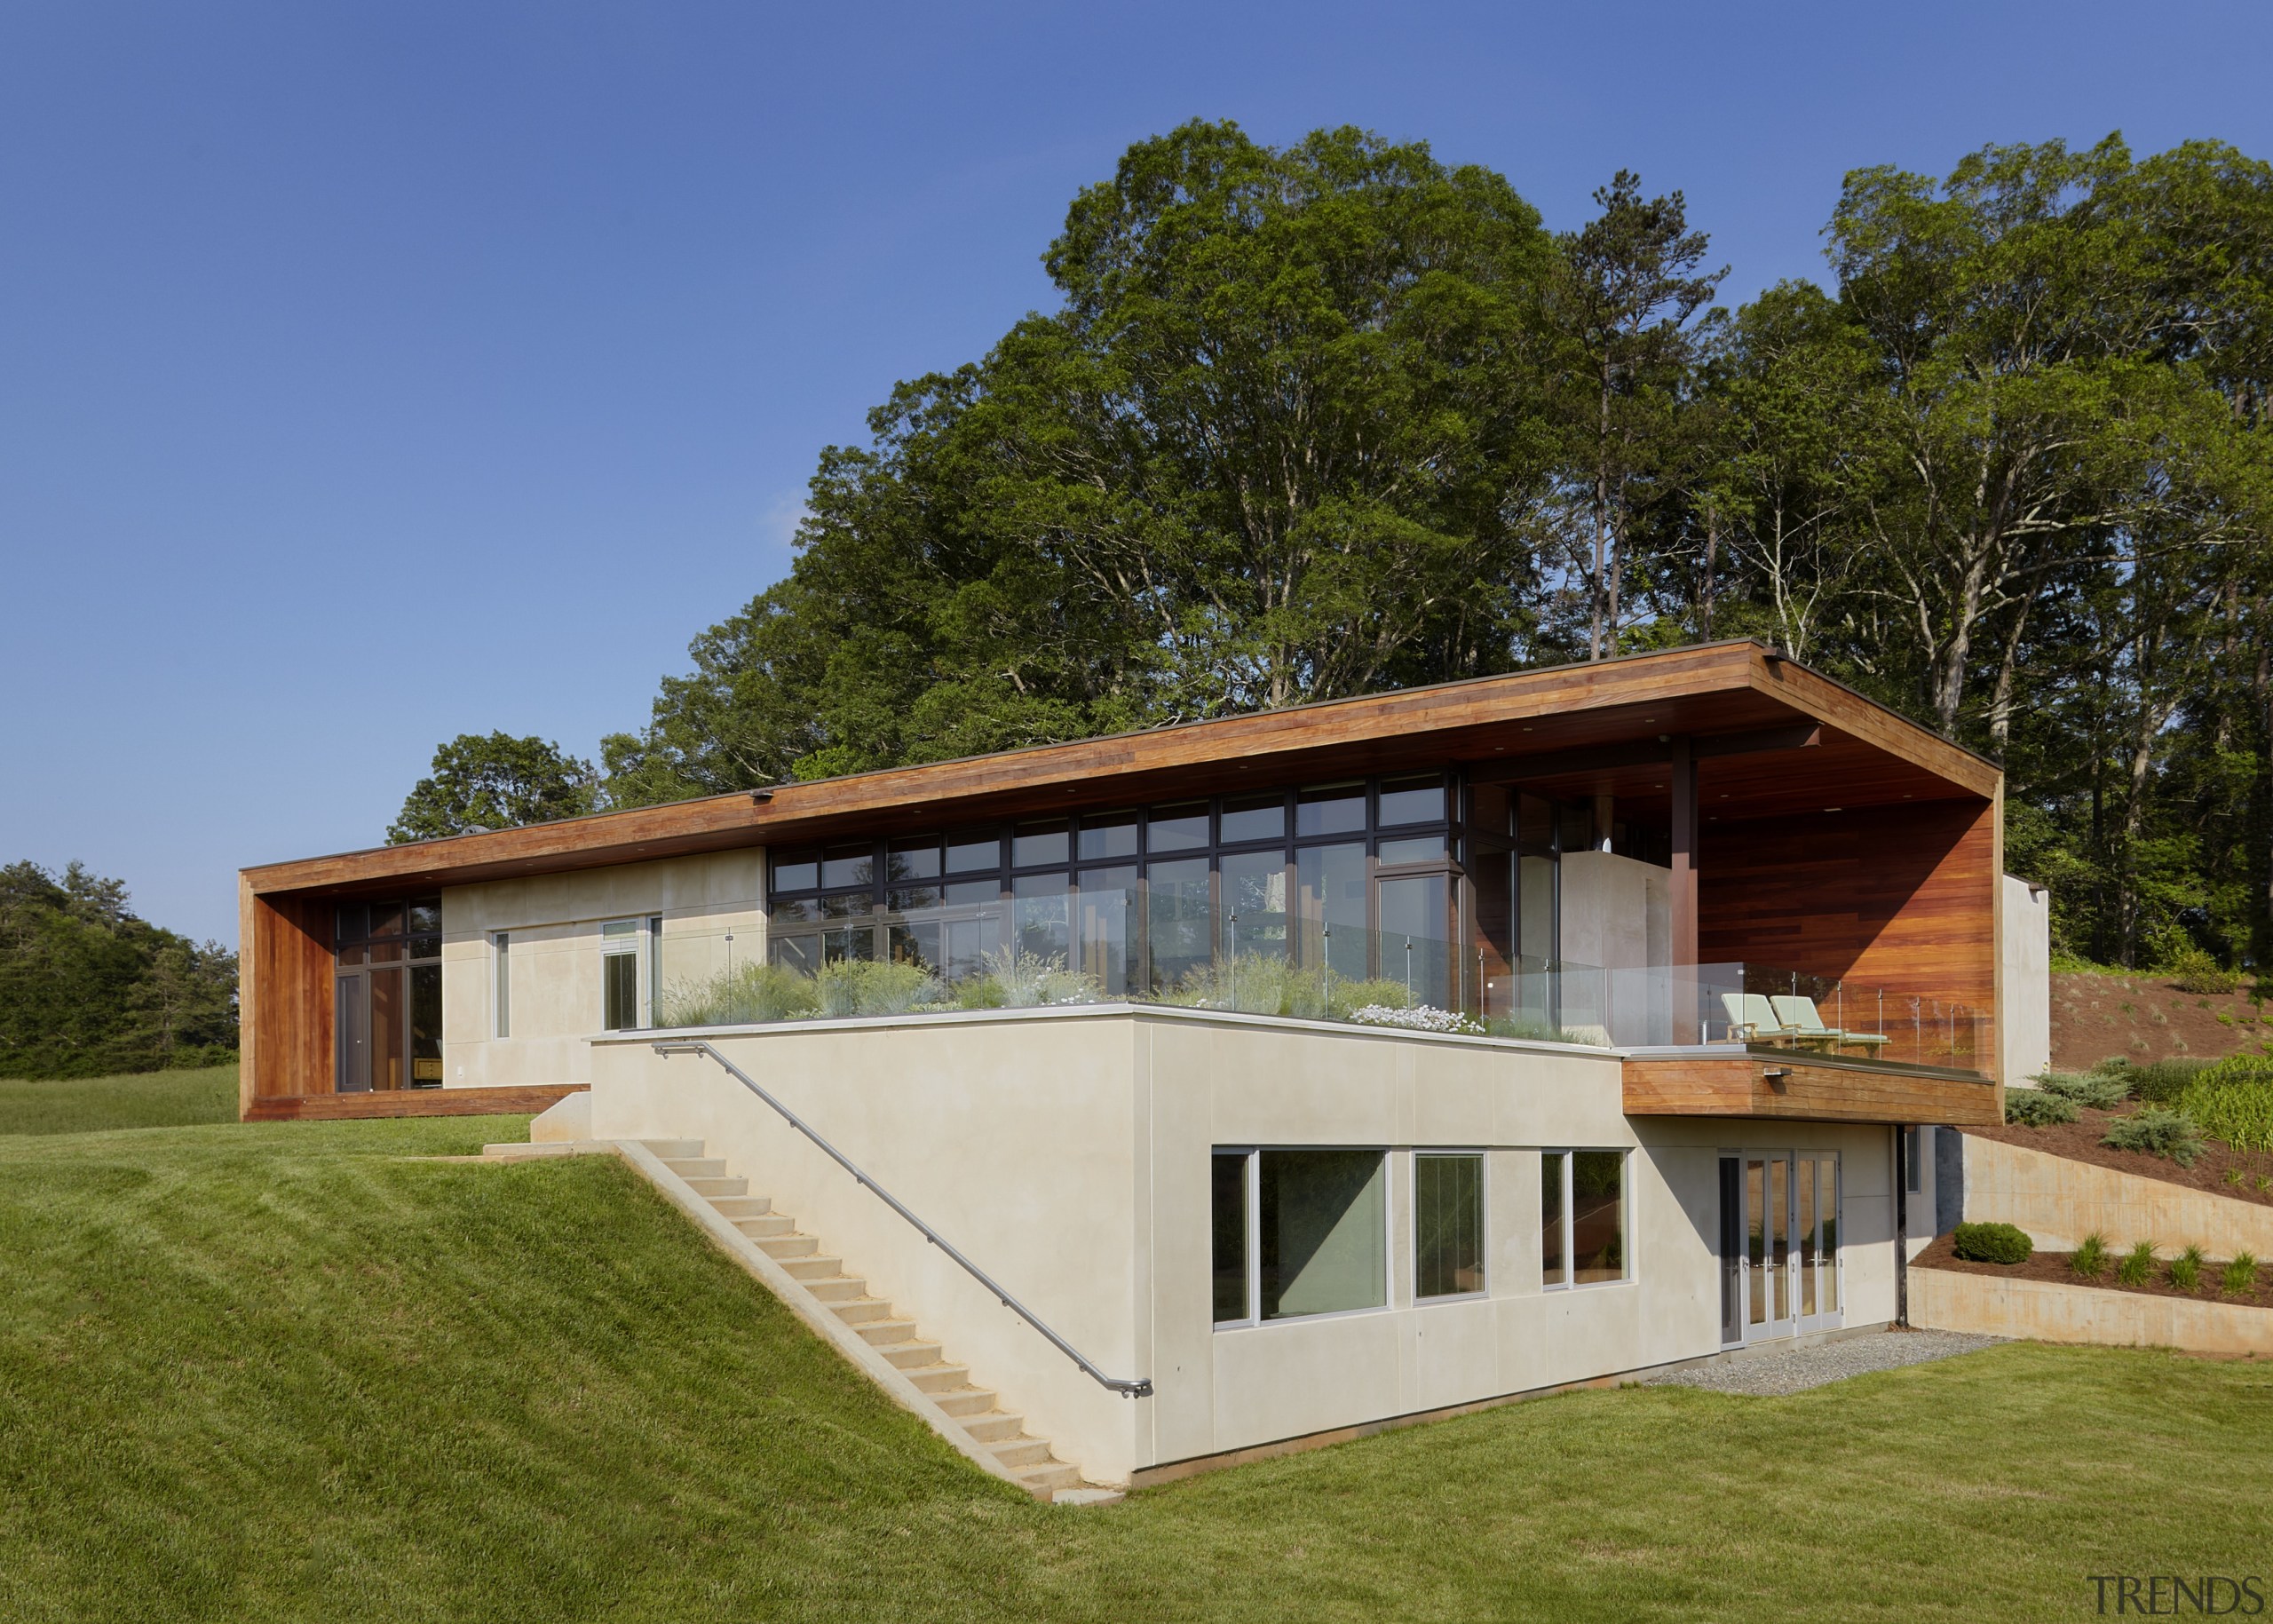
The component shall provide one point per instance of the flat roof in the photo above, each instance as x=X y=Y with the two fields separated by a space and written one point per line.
x=1774 y=738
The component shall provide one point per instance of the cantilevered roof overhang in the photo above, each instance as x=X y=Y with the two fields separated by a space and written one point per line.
x=1769 y=738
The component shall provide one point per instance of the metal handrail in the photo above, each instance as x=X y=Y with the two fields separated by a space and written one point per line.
x=1139 y=1388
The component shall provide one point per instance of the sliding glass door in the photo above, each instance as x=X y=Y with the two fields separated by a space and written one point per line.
x=1781 y=1258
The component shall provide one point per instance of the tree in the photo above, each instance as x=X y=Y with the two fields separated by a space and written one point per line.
x=492 y=781
x=1284 y=440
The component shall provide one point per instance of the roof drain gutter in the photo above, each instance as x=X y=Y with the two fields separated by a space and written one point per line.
x=1139 y=1388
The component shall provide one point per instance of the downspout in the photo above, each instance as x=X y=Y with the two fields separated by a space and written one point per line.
x=1901 y=1227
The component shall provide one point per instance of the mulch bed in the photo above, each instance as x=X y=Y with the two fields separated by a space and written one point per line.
x=2079 y=1141
x=2052 y=1267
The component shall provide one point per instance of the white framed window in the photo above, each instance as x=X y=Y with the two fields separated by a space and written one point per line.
x=620 y=975
x=1298 y=1231
x=1448 y=1224
x=1583 y=1218
x=501 y=997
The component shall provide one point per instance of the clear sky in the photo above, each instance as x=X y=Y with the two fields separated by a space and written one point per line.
x=373 y=373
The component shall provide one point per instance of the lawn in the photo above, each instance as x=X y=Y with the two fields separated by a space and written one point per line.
x=293 y=1371
x=144 y=1099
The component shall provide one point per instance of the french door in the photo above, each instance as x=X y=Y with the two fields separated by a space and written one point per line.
x=1779 y=1244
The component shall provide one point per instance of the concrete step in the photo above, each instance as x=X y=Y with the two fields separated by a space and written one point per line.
x=836 y=1288
x=994 y=1426
x=911 y=1355
x=859 y=1311
x=697 y=1167
x=936 y=1378
x=1022 y=1451
x=892 y=1327
x=670 y=1149
x=744 y=1206
x=789 y=1245
x=715 y=1187
x=765 y=1225
x=1057 y=1474
x=815 y=1267
x=965 y=1401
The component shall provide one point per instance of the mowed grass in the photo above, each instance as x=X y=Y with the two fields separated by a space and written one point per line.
x=143 y=1100
x=293 y=1371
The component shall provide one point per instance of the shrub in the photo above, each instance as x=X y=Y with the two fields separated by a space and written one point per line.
x=1993 y=1243
x=2101 y=1090
x=1028 y=982
x=2186 y=1270
x=2038 y=1108
x=2160 y=1082
x=2138 y=1264
x=1420 y=1017
x=2090 y=1261
x=979 y=992
x=2233 y=1101
x=860 y=986
x=2190 y=969
x=2158 y=1132
x=2238 y=1276
x=750 y=992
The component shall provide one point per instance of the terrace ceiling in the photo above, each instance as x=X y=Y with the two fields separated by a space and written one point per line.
x=1572 y=731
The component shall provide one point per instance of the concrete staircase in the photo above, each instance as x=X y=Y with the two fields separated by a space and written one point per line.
x=995 y=1432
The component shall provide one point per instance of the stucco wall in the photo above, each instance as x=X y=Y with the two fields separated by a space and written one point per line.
x=1067 y=1152
x=553 y=921
x=2025 y=980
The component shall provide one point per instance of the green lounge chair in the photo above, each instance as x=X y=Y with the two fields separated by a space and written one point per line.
x=1751 y=1019
x=1806 y=1021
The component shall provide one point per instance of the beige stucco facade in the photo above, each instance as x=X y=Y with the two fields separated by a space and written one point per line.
x=554 y=924
x=1067 y=1152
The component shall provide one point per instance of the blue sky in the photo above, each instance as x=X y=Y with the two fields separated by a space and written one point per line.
x=370 y=374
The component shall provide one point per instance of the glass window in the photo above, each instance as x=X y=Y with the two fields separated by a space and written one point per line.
x=1227 y=1178
x=1104 y=923
x=1331 y=808
x=1331 y=880
x=619 y=990
x=1551 y=1169
x=852 y=905
x=353 y=923
x=1447 y=1223
x=1321 y=1216
x=1182 y=921
x=796 y=871
x=504 y=998
x=1413 y=799
x=1039 y=925
x=386 y=1029
x=911 y=859
x=386 y=919
x=1255 y=817
x=967 y=853
x=426 y=916
x=848 y=865
x=914 y=900
x=1575 y=821
x=1036 y=844
x=802 y=953
x=789 y=912
x=1597 y=1216
x=1255 y=902
x=1108 y=834
x=426 y=1026
x=969 y=893
x=1415 y=940
x=1414 y=849
x=1177 y=828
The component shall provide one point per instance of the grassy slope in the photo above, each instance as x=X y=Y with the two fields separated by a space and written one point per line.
x=145 y=1099
x=289 y=1372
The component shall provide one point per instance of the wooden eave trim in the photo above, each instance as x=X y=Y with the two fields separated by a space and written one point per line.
x=725 y=821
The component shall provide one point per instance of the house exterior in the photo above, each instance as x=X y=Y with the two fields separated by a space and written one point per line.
x=1306 y=1070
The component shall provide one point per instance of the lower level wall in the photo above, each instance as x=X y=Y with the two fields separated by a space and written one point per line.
x=2059 y=1202
x=1068 y=1153
x=1947 y=1300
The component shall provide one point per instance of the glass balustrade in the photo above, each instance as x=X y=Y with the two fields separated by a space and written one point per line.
x=1109 y=941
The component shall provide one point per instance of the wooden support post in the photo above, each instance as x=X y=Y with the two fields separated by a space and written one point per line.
x=1682 y=782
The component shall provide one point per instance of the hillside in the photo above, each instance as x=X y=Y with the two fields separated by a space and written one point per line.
x=2096 y=1014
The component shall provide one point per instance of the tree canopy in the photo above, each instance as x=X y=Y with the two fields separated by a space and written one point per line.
x=493 y=781
x=1337 y=417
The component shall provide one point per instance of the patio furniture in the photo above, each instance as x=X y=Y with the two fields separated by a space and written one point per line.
x=1751 y=1019
x=1800 y=1015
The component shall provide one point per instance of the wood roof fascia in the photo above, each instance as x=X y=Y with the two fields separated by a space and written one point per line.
x=1860 y=717
x=727 y=821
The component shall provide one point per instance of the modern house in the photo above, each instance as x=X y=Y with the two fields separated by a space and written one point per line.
x=1293 y=1073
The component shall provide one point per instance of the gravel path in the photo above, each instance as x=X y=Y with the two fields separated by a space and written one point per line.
x=1769 y=1374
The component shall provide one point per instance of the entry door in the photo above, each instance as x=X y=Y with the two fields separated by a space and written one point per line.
x=1768 y=1244
x=351 y=1035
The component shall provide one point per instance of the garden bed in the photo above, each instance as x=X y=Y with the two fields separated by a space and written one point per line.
x=2079 y=1141
x=2052 y=1269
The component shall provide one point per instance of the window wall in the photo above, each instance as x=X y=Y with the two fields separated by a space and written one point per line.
x=1582 y=1217
x=387 y=995
x=1366 y=876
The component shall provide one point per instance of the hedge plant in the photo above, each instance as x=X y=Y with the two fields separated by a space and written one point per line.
x=2038 y=1107
x=2171 y=1134
x=1993 y=1243
x=2233 y=1101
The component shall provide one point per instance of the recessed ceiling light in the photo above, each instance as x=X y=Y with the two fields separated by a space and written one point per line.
x=1834 y=809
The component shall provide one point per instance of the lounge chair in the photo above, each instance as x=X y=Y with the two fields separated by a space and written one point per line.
x=1751 y=1019
x=1806 y=1022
